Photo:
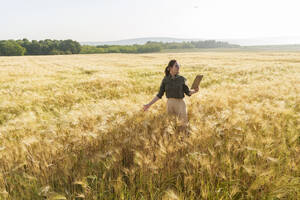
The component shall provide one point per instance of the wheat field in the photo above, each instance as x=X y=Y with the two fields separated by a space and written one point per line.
x=72 y=127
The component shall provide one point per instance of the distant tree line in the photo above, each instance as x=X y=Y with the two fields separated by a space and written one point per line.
x=59 y=47
x=42 y=47
x=145 y=48
x=195 y=44
x=154 y=47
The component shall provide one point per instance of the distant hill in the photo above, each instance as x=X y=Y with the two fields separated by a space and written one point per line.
x=140 y=41
x=284 y=40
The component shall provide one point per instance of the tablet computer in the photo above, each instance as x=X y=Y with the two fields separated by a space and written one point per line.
x=197 y=81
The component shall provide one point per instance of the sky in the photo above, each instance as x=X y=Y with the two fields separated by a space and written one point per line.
x=108 y=20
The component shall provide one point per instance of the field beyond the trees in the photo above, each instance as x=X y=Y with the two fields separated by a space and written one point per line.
x=72 y=127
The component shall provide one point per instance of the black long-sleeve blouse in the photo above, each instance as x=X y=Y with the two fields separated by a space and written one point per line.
x=174 y=87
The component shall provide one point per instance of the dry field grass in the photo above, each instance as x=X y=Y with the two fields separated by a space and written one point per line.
x=72 y=127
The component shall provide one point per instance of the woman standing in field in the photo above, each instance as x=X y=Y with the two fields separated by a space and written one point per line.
x=174 y=86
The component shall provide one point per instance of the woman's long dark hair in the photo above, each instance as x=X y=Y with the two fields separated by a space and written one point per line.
x=171 y=63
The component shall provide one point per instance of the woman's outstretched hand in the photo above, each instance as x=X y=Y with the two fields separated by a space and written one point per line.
x=146 y=107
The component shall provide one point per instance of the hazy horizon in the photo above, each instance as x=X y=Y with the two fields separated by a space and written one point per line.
x=93 y=20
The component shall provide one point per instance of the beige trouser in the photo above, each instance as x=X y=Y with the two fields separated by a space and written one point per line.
x=178 y=108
